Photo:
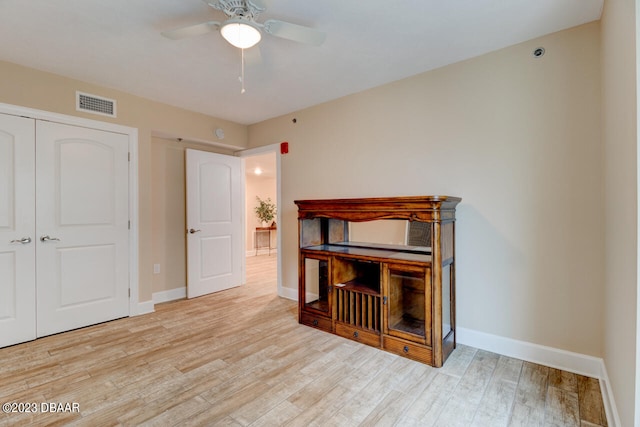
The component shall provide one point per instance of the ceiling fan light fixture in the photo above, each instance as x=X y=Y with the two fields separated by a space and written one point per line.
x=240 y=33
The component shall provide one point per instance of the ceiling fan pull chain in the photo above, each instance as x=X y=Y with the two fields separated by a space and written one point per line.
x=242 y=73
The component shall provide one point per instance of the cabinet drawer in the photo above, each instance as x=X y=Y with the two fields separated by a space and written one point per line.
x=316 y=321
x=356 y=334
x=408 y=349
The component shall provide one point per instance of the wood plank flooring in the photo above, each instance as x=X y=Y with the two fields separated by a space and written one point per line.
x=239 y=358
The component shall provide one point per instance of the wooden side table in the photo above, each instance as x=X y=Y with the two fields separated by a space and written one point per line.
x=261 y=232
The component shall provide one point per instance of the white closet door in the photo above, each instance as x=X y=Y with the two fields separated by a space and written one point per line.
x=81 y=227
x=17 y=219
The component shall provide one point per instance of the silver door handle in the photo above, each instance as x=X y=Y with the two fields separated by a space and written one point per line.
x=49 y=239
x=24 y=240
x=192 y=231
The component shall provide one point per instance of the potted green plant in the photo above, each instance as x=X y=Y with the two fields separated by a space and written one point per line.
x=265 y=211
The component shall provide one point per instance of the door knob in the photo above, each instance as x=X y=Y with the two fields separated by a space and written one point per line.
x=192 y=231
x=49 y=239
x=24 y=240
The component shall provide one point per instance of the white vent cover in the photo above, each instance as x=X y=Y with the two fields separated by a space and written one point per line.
x=95 y=104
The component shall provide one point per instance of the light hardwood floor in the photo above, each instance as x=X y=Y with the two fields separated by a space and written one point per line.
x=240 y=358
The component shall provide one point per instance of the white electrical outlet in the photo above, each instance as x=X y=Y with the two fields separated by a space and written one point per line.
x=156 y=268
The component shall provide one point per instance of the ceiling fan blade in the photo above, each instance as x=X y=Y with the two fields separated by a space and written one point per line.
x=297 y=33
x=192 y=30
x=214 y=4
x=259 y=5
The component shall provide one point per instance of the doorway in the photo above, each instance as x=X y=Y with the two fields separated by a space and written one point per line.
x=169 y=221
x=262 y=179
x=260 y=184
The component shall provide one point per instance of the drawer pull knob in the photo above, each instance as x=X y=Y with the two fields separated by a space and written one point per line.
x=406 y=349
x=315 y=322
x=355 y=334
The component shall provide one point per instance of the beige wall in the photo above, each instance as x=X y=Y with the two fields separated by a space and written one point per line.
x=620 y=137
x=44 y=91
x=518 y=139
x=168 y=238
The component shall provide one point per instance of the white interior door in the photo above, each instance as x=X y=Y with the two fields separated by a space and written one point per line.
x=17 y=229
x=82 y=232
x=215 y=219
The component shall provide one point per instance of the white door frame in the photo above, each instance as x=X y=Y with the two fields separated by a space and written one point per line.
x=135 y=308
x=274 y=148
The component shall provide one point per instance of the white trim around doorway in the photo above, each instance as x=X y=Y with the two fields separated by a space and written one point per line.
x=272 y=148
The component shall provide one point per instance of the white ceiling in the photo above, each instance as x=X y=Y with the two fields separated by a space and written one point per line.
x=117 y=44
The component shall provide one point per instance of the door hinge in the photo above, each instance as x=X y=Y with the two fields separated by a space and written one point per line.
x=129 y=292
x=129 y=156
x=129 y=224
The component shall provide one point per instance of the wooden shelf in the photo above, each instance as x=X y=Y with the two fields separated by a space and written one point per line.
x=363 y=288
x=422 y=250
x=318 y=305
x=410 y=325
x=372 y=253
x=415 y=208
x=385 y=295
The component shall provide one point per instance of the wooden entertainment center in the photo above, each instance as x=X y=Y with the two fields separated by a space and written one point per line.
x=400 y=298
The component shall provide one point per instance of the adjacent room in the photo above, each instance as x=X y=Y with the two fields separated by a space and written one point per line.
x=164 y=188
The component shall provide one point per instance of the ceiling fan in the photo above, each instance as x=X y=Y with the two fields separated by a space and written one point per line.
x=241 y=28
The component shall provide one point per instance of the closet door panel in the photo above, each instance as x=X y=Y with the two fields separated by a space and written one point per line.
x=83 y=167
x=17 y=228
x=82 y=227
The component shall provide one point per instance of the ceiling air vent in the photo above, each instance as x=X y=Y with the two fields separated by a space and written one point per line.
x=95 y=104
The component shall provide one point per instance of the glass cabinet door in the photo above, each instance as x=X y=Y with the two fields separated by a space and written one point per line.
x=408 y=303
x=316 y=285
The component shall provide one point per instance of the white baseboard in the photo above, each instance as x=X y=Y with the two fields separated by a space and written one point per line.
x=170 y=295
x=144 y=307
x=288 y=293
x=548 y=356
x=613 y=419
